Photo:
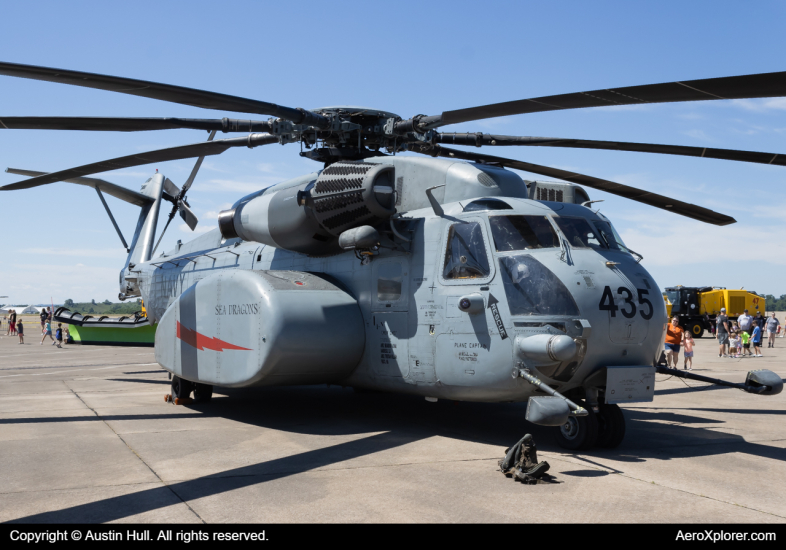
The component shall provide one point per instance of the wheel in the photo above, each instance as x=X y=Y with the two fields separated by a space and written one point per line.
x=181 y=388
x=579 y=432
x=611 y=426
x=203 y=393
x=697 y=330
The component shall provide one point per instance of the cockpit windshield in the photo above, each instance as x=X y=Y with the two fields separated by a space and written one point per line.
x=609 y=235
x=579 y=233
x=532 y=288
x=522 y=232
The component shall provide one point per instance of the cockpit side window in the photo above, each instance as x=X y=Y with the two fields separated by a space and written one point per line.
x=522 y=232
x=579 y=233
x=466 y=257
x=609 y=236
x=532 y=289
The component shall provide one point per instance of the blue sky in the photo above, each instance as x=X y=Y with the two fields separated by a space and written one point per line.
x=409 y=58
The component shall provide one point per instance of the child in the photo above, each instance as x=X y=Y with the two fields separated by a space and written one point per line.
x=746 y=343
x=734 y=345
x=688 y=343
x=58 y=334
x=47 y=332
x=756 y=337
x=20 y=330
x=66 y=335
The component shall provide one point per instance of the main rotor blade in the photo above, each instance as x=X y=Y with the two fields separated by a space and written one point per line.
x=162 y=155
x=703 y=152
x=109 y=188
x=163 y=92
x=731 y=87
x=658 y=201
x=121 y=124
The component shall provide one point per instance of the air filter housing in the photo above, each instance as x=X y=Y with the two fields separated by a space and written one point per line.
x=349 y=194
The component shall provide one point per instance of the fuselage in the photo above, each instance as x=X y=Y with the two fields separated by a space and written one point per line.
x=540 y=267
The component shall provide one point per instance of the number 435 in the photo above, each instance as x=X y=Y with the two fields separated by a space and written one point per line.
x=607 y=303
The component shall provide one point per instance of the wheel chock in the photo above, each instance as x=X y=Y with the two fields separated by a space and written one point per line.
x=177 y=400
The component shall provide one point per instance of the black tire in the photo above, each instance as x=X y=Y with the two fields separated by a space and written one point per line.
x=578 y=433
x=697 y=329
x=203 y=393
x=611 y=426
x=181 y=389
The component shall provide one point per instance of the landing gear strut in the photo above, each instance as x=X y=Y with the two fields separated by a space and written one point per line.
x=203 y=393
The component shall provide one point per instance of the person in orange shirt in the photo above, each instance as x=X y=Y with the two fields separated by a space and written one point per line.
x=674 y=336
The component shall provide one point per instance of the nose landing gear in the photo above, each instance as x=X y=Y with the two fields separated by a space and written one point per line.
x=605 y=429
x=578 y=433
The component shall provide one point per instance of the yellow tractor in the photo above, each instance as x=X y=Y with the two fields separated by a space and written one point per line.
x=697 y=307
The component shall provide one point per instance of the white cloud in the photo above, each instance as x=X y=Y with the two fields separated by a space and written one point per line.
x=698 y=134
x=79 y=252
x=760 y=105
x=245 y=186
x=36 y=283
x=199 y=229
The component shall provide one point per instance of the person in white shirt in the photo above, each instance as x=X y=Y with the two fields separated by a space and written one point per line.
x=745 y=321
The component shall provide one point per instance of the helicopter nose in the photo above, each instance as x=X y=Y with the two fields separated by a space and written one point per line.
x=546 y=348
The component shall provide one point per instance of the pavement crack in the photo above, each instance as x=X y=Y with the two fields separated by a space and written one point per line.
x=130 y=448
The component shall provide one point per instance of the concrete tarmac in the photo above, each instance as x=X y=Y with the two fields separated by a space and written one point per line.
x=85 y=436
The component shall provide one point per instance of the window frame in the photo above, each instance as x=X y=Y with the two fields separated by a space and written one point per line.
x=564 y=237
x=486 y=232
x=549 y=219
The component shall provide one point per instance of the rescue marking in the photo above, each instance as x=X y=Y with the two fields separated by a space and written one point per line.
x=202 y=342
x=497 y=319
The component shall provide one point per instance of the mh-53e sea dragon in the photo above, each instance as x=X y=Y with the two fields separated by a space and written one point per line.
x=424 y=275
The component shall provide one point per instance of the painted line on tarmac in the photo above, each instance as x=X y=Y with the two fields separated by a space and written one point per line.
x=79 y=370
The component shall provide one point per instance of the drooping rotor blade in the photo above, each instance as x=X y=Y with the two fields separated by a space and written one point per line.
x=109 y=188
x=658 y=201
x=121 y=124
x=194 y=170
x=703 y=152
x=731 y=87
x=163 y=92
x=188 y=216
x=162 y=155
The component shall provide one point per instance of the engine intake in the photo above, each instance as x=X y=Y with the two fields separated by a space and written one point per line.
x=309 y=217
x=349 y=194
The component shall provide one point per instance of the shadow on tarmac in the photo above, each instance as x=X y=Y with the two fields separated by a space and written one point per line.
x=319 y=410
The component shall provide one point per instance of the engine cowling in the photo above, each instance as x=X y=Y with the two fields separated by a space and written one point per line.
x=309 y=217
x=258 y=328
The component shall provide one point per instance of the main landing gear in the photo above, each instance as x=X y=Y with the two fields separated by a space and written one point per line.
x=181 y=389
x=605 y=429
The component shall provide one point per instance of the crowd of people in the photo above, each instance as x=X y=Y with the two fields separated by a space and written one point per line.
x=735 y=337
x=16 y=328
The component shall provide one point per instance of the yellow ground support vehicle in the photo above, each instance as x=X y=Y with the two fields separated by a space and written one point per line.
x=697 y=307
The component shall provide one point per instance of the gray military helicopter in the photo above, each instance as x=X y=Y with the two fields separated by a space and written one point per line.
x=424 y=275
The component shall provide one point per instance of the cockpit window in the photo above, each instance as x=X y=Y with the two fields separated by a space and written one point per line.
x=466 y=257
x=579 y=233
x=609 y=235
x=532 y=289
x=487 y=204
x=522 y=232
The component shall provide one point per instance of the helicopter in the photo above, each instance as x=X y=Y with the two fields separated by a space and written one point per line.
x=446 y=275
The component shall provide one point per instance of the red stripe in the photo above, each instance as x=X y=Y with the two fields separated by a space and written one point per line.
x=202 y=342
